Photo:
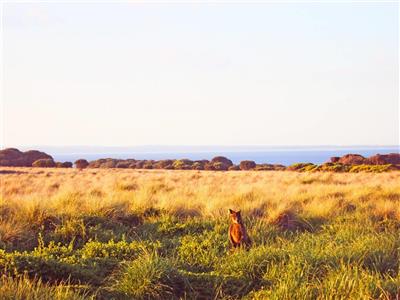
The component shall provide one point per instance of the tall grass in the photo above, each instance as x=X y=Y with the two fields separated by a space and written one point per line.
x=157 y=234
x=22 y=288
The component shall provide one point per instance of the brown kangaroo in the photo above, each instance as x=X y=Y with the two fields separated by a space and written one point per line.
x=237 y=232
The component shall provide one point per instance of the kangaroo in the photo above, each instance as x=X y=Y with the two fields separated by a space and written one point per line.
x=237 y=232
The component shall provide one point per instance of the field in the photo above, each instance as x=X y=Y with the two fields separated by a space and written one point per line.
x=134 y=234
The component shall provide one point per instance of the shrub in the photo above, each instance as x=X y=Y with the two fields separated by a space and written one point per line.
x=222 y=159
x=66 y=164
x=44 y=163
x=148 y=164
x=234 y=168
x=94 y=164
x=182 y=164
x=198 y=166
x=299 y=166
x=247 y=165
x=164 y=164
x=209 y=167
x=109 y=163
x=264 y=167
x=334 y=167
x=310 y=168
x=122 y=164
x=371 y=168
x=219 y=166
x=81 y=164
x=221 y=163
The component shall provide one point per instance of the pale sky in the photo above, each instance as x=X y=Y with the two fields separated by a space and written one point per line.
x=200 y=74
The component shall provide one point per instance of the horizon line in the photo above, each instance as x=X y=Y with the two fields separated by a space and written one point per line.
x=202 y=146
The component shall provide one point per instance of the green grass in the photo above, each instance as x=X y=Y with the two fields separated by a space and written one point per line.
x=190 y=258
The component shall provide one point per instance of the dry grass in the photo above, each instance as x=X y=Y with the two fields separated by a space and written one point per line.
x=316 y=235
x=34 y=194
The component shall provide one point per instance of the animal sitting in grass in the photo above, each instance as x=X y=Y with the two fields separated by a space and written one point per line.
x=237 y=232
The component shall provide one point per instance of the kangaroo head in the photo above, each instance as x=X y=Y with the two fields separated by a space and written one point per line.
x=236 y=217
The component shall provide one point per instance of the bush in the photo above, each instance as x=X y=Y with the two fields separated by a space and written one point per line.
x=109 y=163
x=333 y=167
x=247 y=165
x=299 y=166
x=198 y=166
x=219 y=166
x=81 y=164
x=44 y=163
x=66 y=164
x=234 y=168
x=223 y=160
x=371 y=168
x=122 y=165
x=182 y=164
x=264 y=167
x=164 y=164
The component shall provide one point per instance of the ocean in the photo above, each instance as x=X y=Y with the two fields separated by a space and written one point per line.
x=272 y=155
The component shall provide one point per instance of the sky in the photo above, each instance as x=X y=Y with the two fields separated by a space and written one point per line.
x=127 y=74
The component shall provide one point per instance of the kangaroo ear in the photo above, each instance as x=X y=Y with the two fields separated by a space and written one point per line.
x=238 y=212
x=231 y=211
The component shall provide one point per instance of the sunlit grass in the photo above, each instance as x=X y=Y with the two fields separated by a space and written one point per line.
x=157 y=234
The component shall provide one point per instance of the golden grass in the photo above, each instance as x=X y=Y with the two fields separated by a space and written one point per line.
x=315 y=235
x=33 y=194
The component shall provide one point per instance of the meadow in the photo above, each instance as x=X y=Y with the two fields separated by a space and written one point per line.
x=163 y=234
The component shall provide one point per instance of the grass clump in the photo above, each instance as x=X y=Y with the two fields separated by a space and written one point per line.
x=148 y=277
x=22 y=288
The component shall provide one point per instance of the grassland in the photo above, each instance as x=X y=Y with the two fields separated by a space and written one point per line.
x=140 y=234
